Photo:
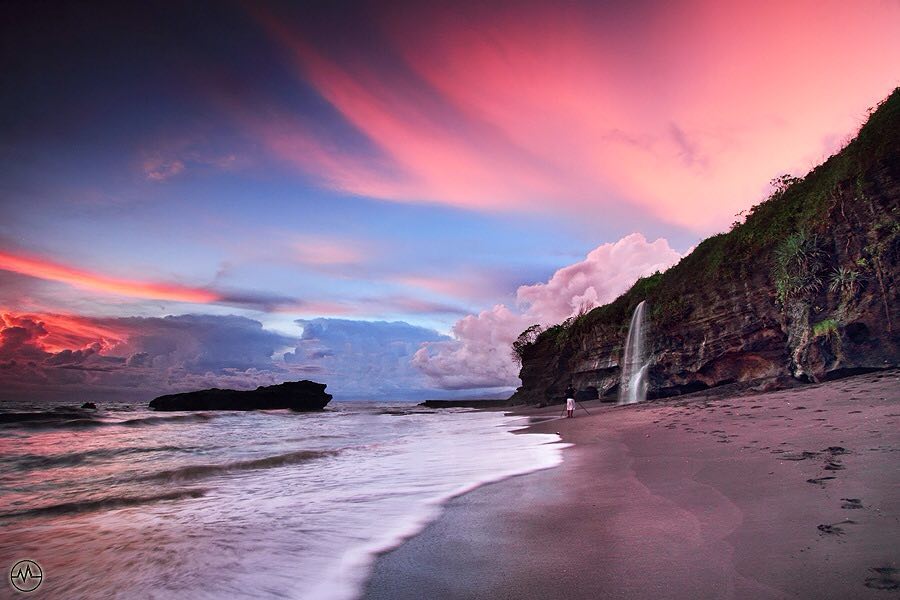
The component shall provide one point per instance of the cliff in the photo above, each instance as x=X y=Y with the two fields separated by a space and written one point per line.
x=805 y=288
x=296 y=395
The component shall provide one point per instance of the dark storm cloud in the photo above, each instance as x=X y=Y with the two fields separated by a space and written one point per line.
x=138 y=357
x=143 y=356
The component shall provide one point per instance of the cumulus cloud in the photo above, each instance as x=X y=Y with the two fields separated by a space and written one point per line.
x=71 y=358
x=365 y=359
x=201 y=343
x=608 y=270
x=64 y=355
x=478 y=356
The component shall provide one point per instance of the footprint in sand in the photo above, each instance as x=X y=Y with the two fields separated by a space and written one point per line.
x=820 y=480
x=834 y=465
x=802 y=456
x=885 y=578
x=830 y=529
x=850 y=503
x=835 y=528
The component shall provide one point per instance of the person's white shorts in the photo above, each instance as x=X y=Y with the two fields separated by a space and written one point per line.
x=570 y=404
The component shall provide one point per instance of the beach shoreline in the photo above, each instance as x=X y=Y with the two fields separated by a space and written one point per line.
x=782 y=494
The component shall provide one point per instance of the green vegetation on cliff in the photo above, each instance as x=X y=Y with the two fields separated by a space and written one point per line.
x=782 y=244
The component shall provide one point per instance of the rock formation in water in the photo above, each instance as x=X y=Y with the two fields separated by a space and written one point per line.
x=296 y=395
x=806 y=288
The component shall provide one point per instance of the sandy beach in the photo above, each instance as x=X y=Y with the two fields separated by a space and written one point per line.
x=785 y=494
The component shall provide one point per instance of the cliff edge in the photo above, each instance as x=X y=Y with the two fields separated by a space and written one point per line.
x=805 y=288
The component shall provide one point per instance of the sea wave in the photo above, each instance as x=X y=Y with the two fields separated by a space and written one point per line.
x=356 y=482
x=190 y=472
x=102 y=504
x=28 y=462
x=187 y=418
x=80 y=420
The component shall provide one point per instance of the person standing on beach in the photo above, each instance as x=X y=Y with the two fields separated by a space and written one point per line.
x=570 y=402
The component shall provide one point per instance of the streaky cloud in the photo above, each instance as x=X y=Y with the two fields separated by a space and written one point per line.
x=43 y=268
x=530 y=107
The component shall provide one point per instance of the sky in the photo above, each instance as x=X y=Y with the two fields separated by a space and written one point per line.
x=381 y=195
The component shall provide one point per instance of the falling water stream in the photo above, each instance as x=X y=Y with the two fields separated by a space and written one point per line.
x=633 y=384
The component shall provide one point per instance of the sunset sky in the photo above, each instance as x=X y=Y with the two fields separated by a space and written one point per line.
x=381 y=196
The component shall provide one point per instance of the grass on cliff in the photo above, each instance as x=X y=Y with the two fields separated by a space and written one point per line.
x=826 y=327
x=789 y=219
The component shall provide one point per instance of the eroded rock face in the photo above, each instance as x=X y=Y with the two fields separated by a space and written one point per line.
x=296 y=395
x=737 y=330
x=737 y=336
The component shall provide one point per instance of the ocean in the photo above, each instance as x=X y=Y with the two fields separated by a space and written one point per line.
x=130 y=503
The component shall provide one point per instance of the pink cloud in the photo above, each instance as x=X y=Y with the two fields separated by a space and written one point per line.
x=66 y=356
x=468 y=284
x=157 y=168
x=328 y=251
x=683 y=110
x=479 y=355
x=71 y=358
x=52 y=332
x=604 y=274
x=318 y=308
x=370 y=307
x=171 y=156
x=42 y=268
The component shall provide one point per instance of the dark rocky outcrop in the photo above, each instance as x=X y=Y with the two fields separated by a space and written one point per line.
x=807 y=288
x=296 y=395
x=89 y=405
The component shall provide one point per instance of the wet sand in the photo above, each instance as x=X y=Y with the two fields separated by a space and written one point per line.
x=787 y=494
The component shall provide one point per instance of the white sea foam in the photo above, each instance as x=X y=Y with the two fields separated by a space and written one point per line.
x=532 y=453
x=259 y=525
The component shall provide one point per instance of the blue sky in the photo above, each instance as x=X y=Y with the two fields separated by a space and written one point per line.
x=437 y=177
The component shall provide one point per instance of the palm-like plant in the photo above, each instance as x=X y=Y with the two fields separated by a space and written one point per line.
x=798 y=261
x=846 y=281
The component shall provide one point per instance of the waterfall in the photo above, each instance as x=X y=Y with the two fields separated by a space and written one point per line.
x=633 y=381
